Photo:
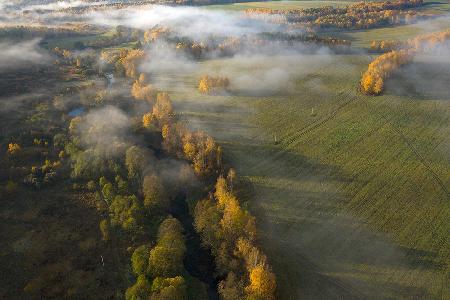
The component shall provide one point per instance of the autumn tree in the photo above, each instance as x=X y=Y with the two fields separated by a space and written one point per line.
x=206 y=221
x=262 y=283
x=230 y=231
x=213 y=85
x=14 y=148
x=373 y=80
x=231 y=288
x=162 y=110
x=147 y=120
x=202 y=150
x=141 y=90
x=172 y=134
x=130 y=59
x=156 y=33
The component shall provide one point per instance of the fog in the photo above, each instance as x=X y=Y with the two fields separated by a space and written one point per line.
x=19 y=54
x=106 y=130
x=191 y=22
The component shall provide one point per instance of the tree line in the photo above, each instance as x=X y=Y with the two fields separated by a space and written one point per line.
x=373 y=80
x=360 y=15
x=136 y=200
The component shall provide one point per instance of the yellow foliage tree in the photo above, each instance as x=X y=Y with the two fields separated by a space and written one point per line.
x=14 y=148
x=262 y=283
x=213 y=85
x=130 y=59
x=147 y=120
x=163 y=110
x=142 y=91
x=372 y=81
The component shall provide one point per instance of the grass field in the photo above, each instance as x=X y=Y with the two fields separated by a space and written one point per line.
x=354 y=195
x=363 y=38
x=360 y=38
x=432 y=7
x=280 y=5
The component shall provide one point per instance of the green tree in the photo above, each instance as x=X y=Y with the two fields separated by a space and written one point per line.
x=108 y=192
x=136 y=160
x=140 y=290
x=166 y=258
x=169 y=288
x=105 y=230
x=125 y=212
x=155 y=196
x=139 y=260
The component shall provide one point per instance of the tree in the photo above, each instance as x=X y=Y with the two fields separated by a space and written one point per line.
x=105 y=230
x=108 y=192
x=169 y=288
x=59 y=141
x=74 y=123
x=130 y=59
x=136 y=160
x=162 y=110
x=202 y=150
x=147 y=120
x=125 y=212
x=142 y=91
x=213 y=85
x=140 y=290
x=155 y=195
x=14 y=148
x=163 y=262
x=139 y=260
x=122 y=185
x=262 y=282
x=231 y=288
x=206 y=221
x=166 y=258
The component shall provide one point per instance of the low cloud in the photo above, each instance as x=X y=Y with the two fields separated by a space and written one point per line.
x=106 y=130
x=191 y=22
x=17 y=55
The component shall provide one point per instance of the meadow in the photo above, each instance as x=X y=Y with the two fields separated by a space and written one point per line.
x=279 y=5
x=350 y=191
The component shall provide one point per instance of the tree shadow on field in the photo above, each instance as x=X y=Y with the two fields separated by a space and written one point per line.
x=423 y=258
x=317 y=248
x=421 y=80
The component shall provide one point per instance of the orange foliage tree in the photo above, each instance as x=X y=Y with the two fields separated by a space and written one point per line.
x=142 y=91
x=373 y=80
x=230 y=232
x=213 y=85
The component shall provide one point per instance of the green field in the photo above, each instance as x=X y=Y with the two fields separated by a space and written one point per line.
x=432 y=7
x=363 y=38
x=352 y=199
x=360 y=38
x=280 y=5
